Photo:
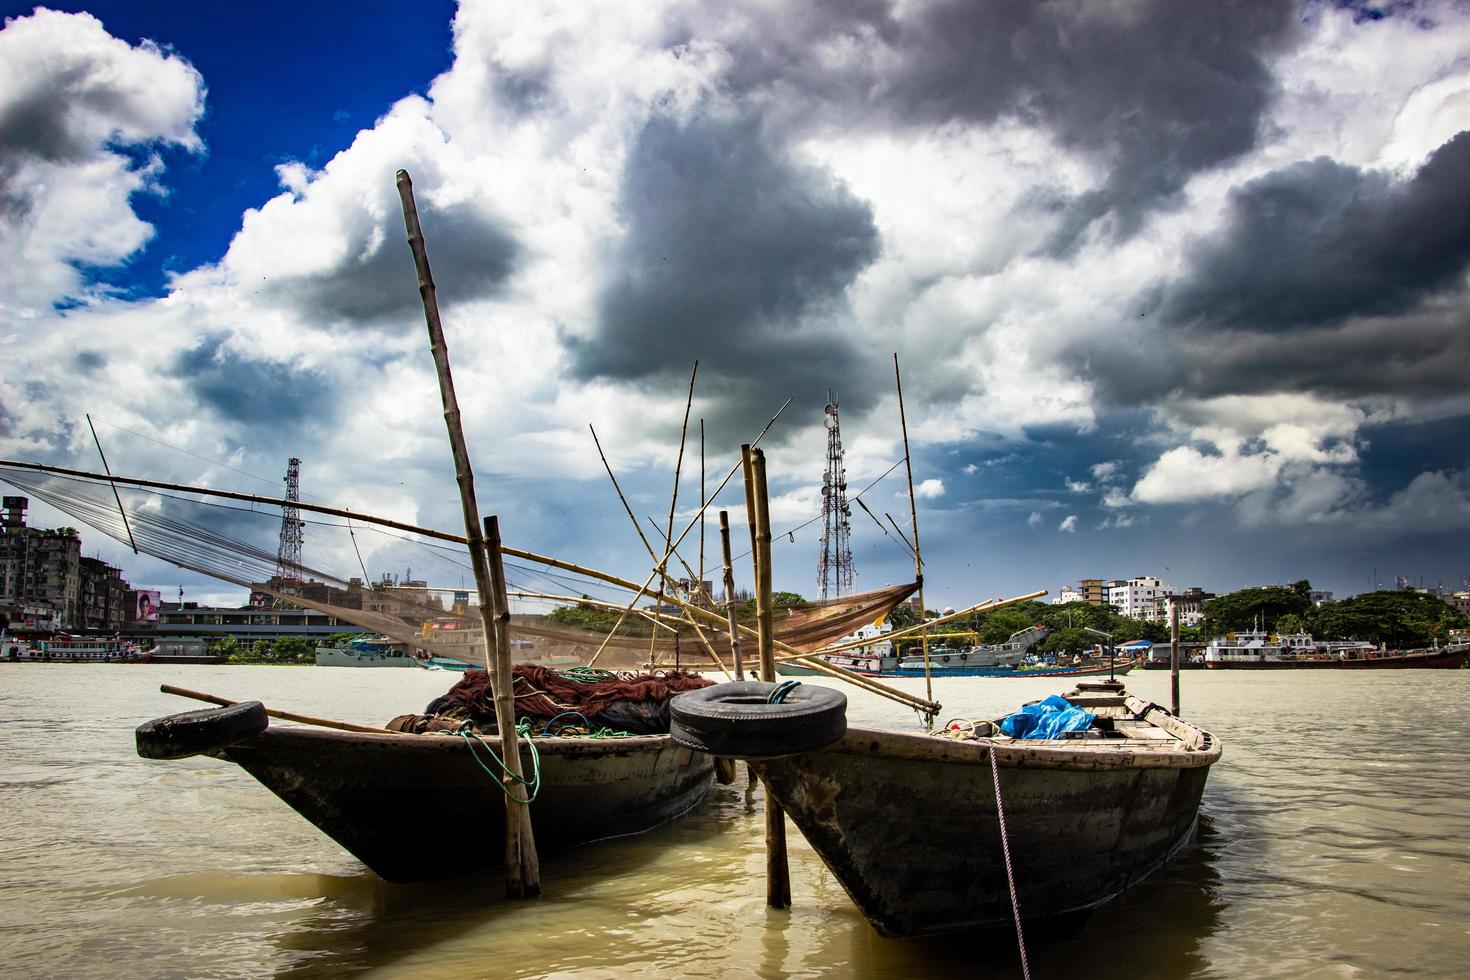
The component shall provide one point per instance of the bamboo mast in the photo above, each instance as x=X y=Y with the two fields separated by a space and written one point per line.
x=703 y=503
x=709 y=648
x=778 y=874
x=522 y=872
x=115 y=495
x=908 y=464
x=643 y=589
x=663 y=565
x=730 y=595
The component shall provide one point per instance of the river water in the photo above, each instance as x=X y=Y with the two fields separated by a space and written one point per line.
x=1334 y=842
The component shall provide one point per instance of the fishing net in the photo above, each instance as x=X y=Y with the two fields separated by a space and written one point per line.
x=417 y=589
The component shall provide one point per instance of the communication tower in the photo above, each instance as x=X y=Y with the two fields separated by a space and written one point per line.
x=288 y=555
x=834 y=570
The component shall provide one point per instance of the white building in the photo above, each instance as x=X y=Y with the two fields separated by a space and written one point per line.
x=1139 y=598
x=1067 y=594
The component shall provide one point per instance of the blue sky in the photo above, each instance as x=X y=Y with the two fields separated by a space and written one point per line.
x=1177 y=292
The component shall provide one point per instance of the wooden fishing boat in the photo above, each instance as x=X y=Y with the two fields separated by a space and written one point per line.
x=400 y=802
x=908 y=822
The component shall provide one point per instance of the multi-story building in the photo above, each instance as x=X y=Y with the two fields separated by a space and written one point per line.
x=105 y=602
x=1068 y=594
x=1094 y=591
x=1139 y=598
x=40 y=570
x=1191 y=603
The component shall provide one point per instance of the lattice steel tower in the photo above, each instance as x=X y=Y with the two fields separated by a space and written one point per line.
x=834 y=570
x=288 y=555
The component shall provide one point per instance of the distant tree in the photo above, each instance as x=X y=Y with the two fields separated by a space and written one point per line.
x=1246 y=608
x=1400 y=619
x=290 y=648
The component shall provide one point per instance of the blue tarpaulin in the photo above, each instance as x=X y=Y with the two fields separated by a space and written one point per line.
x=1046 y=719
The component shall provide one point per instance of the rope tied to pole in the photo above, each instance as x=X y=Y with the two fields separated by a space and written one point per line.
x=1005 y=846
x=533 y=784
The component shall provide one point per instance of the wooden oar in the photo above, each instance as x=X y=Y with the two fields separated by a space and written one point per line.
x=344 y=726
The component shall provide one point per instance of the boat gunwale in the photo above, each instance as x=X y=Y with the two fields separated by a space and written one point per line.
x=1037 y=754
x=568 y=745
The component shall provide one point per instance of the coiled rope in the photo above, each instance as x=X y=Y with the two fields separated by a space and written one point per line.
x=533 y=785
x=1005 y=846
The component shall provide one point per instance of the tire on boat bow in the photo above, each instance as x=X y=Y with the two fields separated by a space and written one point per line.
x=195 y=732
x=739 y=720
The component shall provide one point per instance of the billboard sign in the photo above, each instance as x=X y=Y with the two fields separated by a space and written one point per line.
x=146 y=605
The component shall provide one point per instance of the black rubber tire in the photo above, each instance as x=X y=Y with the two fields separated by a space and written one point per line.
x=194 y=732
x=735 y=720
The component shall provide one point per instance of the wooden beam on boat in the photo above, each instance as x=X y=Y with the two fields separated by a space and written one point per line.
x=914 y=513
x=522 y=870
x=730 y=595
x=341 y=726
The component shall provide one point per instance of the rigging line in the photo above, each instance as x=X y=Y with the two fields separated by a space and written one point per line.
x=159 y=442
x=361 y=564
x=884 y=529
x=108 y=470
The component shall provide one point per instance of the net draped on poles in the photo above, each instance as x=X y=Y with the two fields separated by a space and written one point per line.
x=426 y=601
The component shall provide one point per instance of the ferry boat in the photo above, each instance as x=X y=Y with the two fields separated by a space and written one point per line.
x=64 y=648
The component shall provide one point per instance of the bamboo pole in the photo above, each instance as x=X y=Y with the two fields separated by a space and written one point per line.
x=730 y=595
x=703 y=503
x=778 y=873
x=522 y=876
x=115 y=496
x=520 y=847
x=709 y=648
x=1174 y=651
x=697 y=517
x=908 y=464
x=341 y=726
x=674 y=500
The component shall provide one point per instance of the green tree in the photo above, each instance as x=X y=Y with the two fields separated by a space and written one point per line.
x=1244 y=609
x=290 y=648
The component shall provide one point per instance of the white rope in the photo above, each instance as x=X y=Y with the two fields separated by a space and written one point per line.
x=1005 y=846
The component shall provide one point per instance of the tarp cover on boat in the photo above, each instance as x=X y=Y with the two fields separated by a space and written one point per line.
x=1047 y=719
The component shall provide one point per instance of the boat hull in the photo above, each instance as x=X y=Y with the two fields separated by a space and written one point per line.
x=909 y=827
x=1442 y=659
x=1121 y=668
x=398 y=802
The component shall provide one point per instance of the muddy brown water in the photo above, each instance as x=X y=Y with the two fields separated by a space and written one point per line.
x=1334 y=842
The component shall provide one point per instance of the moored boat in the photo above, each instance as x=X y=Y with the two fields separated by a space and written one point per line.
x=909 y=823
x=1259 y=650
x=371 y=652
x=63 y=648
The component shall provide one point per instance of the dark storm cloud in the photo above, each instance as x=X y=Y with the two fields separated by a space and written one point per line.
x=735 y=255
x=1154 y=91
x=89 y=361
x=470 y=255
x=1321 y=241
x=249 y=391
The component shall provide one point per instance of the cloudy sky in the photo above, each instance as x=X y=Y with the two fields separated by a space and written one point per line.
x=1176 y=289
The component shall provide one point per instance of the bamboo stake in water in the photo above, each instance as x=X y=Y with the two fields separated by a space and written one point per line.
x=730 y=595
x=523 y=853
x=914 y=514
x=522 y=873
x=778 y=873
x=1174 y=651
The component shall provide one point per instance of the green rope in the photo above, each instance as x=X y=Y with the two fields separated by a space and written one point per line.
x=586 y=675
x=782 y=690
x=523 y=729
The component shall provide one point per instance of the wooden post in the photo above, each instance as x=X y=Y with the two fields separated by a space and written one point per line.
x=914 y=514
x=778 y=873
x=517 y=883
x=730 y=595
x=1174 y=651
